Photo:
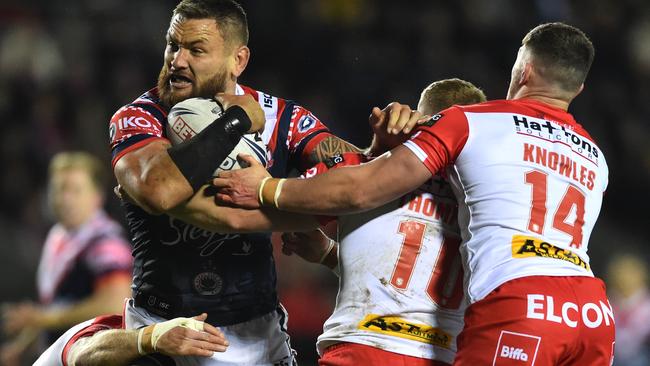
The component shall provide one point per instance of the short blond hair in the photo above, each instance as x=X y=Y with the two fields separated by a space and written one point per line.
x=443 y=94
x=80 y=160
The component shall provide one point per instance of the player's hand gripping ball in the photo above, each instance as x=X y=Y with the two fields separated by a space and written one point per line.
x=189 y=117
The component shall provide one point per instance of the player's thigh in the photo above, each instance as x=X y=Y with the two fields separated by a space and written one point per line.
x=527 y=321
x=595 y=345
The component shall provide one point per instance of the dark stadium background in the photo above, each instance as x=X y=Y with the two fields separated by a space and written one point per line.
x=67 y=65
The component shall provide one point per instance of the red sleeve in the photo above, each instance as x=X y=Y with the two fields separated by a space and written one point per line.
x=100 y=323
x=305 y=132
x=131 y=125
x=438 y=142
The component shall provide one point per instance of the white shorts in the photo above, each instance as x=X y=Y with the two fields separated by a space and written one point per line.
x=260 y=341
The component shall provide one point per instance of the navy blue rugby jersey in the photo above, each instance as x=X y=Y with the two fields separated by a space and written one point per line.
x=182 y=270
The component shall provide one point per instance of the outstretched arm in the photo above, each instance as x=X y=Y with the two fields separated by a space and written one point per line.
x=176 y=337
x=339 y=191
x=201 y=211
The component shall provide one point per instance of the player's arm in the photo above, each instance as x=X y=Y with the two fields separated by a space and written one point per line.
x=201 y=211
x=159 y=177
x=390 y=126
x=355 y=189
x=436 y=144
x=313 y=246
x=329 y=146
x=339 y=191
x=176 y=337
x=115 y=347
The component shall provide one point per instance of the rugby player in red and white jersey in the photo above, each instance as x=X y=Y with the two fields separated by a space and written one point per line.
x=529 y=181
x=400 y=297
x=104 y=341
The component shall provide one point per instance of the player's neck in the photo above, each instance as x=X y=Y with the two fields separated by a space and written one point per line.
x=231 y=87
x=545 y=96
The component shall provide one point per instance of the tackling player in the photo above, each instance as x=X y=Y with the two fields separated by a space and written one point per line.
x=529 y=181
x=400 y=297
x=104 y=341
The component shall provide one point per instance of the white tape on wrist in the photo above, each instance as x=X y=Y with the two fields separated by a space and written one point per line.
x=260 y=197
x=278 y=191
x=162 y=328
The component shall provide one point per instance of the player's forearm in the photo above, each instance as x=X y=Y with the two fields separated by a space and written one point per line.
x=353 y=189
x=109 y=347
x=333 y=193
x=201 y=211
x=151 y=179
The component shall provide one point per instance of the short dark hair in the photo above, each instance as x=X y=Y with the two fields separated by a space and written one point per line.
x=229 y=15
x=442 y=94
x=564 y=53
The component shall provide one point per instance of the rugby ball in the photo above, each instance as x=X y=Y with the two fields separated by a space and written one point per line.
x=189 y=117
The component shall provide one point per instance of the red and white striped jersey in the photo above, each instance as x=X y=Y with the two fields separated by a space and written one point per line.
x=401 y=278
x=529 y=182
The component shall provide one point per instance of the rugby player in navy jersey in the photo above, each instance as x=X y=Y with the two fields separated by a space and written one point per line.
x=183 y=269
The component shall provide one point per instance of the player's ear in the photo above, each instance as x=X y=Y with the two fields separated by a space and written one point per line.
x=241 y=56
x=526 y=73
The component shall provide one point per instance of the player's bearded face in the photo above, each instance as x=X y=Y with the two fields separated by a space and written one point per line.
x=202 y=86
x=196 y=61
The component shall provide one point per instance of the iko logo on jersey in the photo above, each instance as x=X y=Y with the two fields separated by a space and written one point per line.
x=554 y=132
x=528 y=246
x=398 y=327
x=590 y=314
x=516 y=349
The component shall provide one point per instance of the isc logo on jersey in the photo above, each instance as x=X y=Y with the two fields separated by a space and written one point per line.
x=191 y=116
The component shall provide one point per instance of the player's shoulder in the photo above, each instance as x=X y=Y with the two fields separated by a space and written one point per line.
x=147 y=103
x=271 y=103
x=261 y=96
x=492 y=106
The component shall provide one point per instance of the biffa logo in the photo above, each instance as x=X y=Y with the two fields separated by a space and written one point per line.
x=514 y=353
x=516 y=349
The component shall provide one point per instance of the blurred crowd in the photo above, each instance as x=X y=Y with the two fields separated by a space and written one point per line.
x=66 y=66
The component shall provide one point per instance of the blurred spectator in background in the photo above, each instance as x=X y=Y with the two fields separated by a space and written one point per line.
x=85 y=265
x=627 y=276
